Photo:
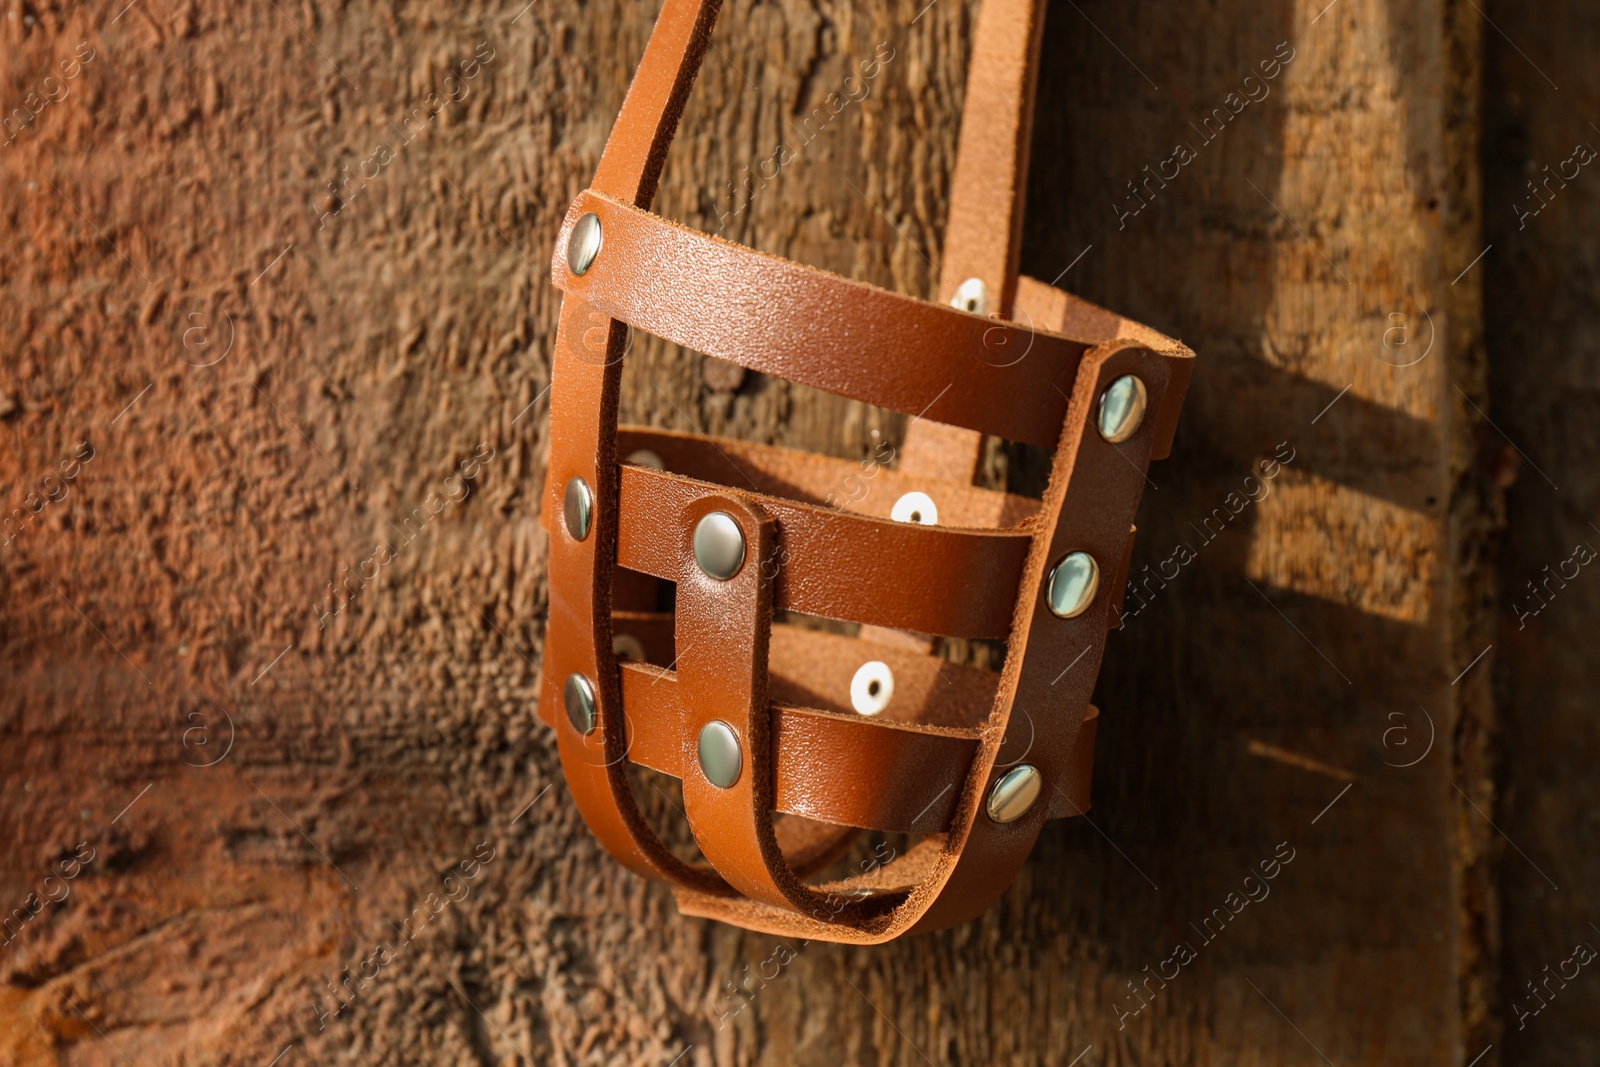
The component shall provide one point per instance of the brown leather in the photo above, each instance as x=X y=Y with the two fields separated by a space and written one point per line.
x=983 y=234
x=771 y=315
x=842 y=565
x=820 y=539
x=864 y=487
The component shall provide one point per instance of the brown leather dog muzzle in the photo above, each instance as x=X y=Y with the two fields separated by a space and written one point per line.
x=838 y=733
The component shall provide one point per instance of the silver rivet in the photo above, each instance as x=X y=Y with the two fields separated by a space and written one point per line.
x=577 y=508
x=720 y=758
x=915 y=507
x=972 y=295
x=719 y=546
x=1014 y=793
x=1122 y=408
x=1073 y=583
x=583 y=243
x=579 y=694
x=872 y=687
x=628 y=647
x=646 y=457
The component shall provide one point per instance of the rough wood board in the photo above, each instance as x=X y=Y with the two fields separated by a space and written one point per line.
x=1545 y=274
x=176 y=198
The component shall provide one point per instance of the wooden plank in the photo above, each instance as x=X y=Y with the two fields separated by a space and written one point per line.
x=1541 y=95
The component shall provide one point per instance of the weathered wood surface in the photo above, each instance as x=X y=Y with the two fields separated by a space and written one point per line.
x=389 y=351
x=1542 y=279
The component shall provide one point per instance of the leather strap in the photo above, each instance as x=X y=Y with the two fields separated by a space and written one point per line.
x=783 y=318
x=862 y=487
x=1053 y=662
x=892 y=773
x=845 y=566
x=983 y=232
x=630 y=166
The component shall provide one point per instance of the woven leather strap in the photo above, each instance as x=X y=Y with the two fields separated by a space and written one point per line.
x=1033 y=368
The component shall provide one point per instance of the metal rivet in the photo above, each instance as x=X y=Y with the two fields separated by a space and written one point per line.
x=1073 y=584
x=577 y=508
x=579 y=694
x=872 y=687
x=1122 y=408
x=583 y=243
x=628 y=647
x=645 y=457
x=972 y=295
x=719 y=545
x=1014 y=793
x=720 y=758
x=915 y=507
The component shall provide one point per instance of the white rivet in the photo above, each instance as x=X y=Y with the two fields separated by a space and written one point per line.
x=972 y=295
x=583 y=243
x=1014 y=793
x=1073 y=583
x=579 y=696
x=645 y=457
x=915 y=507
x=577 y=508
x=719 y=753
x=719 y=546
x=872 y=687
x=628 y=647
x=1122 y=408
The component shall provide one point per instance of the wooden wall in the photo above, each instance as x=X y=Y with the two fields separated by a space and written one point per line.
x=259 y=344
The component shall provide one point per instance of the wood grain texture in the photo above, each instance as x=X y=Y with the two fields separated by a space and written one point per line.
x=275 y=377
x=1542 y=101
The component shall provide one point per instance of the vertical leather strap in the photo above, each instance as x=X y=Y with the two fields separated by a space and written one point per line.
x=585 y=391
x=983 y=231
x=630 y=165
x=588 y=365
x=1052 y=663
x=724 y=630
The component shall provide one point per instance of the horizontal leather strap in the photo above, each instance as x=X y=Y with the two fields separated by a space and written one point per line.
x=1071 y=315
x=814 y=668
x=866 y=487
x=823 y=330
x=832 y=765
x=891 y=881
x=931 y=579
x=827 y=767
